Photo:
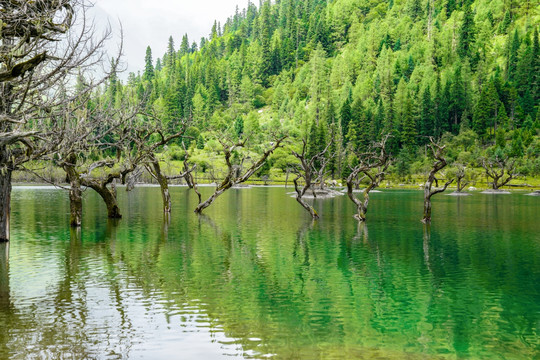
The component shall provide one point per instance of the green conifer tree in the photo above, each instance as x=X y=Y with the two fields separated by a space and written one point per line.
x=466 y=33
x=149 y=66
x=345 y=117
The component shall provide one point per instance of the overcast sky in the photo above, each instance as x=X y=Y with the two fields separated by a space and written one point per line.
x=151 y=22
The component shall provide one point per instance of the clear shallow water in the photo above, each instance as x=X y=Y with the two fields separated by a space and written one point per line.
x=255 y=278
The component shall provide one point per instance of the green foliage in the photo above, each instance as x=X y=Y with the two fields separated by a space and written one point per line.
x=148 y=67
x=353 y=70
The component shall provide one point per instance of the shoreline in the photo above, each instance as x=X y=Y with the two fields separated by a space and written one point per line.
x=248 y=185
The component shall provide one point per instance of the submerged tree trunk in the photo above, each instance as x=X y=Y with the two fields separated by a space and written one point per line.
x=163 y=184
x=361 y=206
x=427 y=202
x=113 y=211
x=234 y=176
x=75 y=203
x=75 y=194
x=300 y=194
x=190 y=180
x=440 y=163
x=5 y=203
x=220 y=190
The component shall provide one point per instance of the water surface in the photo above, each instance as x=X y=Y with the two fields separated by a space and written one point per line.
x=256 y=278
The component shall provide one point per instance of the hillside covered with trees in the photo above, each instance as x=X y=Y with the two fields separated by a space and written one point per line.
x=349 y=71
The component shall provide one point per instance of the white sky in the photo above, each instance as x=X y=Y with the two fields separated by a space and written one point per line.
x=151 y=22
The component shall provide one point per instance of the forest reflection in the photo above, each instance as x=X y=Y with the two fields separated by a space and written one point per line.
x=261 y=280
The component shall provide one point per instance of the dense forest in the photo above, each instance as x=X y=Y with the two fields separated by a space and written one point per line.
x=332 y=92
x=349 y=71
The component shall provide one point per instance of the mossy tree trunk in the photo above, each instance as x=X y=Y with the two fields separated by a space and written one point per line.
x=163 y=182
x=440 y=163
x=5 y=203
x=75 y=203
x=108 y=196
x=75 y=192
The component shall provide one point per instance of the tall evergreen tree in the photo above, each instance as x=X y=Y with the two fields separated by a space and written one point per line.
x=512 y=57
x=466 y=33
x=535 y=83
x=345 y=117
x=184 y=45
x=485 y=112
x=415 y=9
x=149 y=66
x=427 y=116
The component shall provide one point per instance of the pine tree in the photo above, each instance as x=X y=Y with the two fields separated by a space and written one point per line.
x=148 y=67
x=397 y=45
x=486 y=109
x=505 y=23
x=427 y=115
x=357 y=127
x=512 y=58
x=502 y=117
x=171 y=55
x=184 y=46
x=346 y=116
x=466 y=33
x=458 y=101
x=524 y=76
x=408 y=132
x=440 y=110
x=415 y=9
x=319 y=81
x=239 y=126
x=535 y=81
x=313 y=147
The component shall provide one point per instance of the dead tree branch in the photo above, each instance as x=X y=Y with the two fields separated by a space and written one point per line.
x=439 y=164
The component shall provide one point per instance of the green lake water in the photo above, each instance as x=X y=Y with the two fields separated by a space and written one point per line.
x=256 y=278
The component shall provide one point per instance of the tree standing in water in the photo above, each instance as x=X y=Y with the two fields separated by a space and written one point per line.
x=235 y=173
x=374 y=166
x=438 y=165
x=39 y=57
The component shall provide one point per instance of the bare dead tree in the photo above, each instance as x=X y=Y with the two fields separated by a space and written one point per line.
x=235 y=175
x=103 y=130
x=307 y=171
x=438 y=165
x=39 y=55
x=460 y=176
x=501 y=169
x=152 y=163
x=374 y=166
x=188 y=174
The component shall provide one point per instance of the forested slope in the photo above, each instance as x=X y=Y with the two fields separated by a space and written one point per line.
x=352 y=70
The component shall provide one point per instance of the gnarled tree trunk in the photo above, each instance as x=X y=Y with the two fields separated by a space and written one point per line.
x=233 y=176
x=5 y=203
x=361 y=206
x=75 y=193
x=108 y=196
x=75 y=203
x=220 y=190
x=163 y=184
x=439 y=164
x=377 y=159
x=300 y=194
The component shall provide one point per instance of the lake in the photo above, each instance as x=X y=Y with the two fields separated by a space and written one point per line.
x=255 y=277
